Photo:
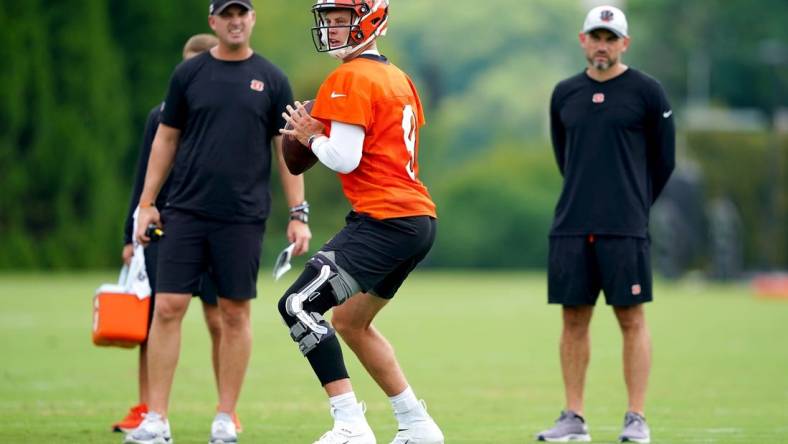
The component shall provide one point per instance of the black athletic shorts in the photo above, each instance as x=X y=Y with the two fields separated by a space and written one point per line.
x=207 y=288
x=193 y=246
x=580 y=266
x=379 y=254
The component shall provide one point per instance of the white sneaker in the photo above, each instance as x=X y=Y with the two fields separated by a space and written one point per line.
x=420 y=430
x=223 y=430
x=153 y=430
x=348 y=433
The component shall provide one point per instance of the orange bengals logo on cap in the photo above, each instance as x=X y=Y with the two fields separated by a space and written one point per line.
x=257 y=85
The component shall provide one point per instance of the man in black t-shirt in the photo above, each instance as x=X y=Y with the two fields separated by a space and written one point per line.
x=207 y=290
x=613 y=136
x=222 y=111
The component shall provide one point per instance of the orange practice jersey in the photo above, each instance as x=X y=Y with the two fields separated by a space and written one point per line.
x=381 y=98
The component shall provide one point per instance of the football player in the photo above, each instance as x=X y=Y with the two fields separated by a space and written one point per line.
x=364 y=125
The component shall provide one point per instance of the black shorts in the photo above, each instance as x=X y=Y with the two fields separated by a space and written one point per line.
x=379 y=254
x=193 y=246
x=206 y=293
x=207 y=288
x=580 y=266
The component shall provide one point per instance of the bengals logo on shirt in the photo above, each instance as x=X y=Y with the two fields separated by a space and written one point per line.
x=257 y=85
x=382 y=99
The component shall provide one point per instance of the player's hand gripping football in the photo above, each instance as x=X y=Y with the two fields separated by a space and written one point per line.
x=304 y=126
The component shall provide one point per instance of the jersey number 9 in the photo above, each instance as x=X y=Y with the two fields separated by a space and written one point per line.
x=409 y=132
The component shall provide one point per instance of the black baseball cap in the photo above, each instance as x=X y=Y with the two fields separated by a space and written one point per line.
x=217 y=6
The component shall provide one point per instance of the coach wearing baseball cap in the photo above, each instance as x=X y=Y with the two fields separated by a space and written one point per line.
x=614 y=141
x=606 y=17
x=222 y=112
x=218 y=6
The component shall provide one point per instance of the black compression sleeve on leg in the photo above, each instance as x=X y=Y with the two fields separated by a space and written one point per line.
x=327 y=361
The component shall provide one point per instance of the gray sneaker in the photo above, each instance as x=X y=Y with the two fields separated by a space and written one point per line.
x=223 y=430
x=568 y=427
x=154 y=429
x=635 y=429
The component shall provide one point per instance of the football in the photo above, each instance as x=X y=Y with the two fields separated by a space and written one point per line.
x=298 y=157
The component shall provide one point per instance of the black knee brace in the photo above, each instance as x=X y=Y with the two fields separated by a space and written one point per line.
x=321 y=286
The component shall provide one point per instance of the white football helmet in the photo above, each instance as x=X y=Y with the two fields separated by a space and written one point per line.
x=369 y=19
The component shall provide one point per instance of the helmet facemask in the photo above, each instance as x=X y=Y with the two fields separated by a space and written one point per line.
x=368 y=20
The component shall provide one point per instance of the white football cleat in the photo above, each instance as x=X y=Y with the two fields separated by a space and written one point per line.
x=344 y=433
x=423 y=432
x=419 y=429
x=348 y=433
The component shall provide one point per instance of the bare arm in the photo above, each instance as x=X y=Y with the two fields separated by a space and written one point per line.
x=162 y=156
x=151 y=125
x=293 y=187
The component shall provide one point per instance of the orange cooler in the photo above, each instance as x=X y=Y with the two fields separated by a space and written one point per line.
x=120 y=318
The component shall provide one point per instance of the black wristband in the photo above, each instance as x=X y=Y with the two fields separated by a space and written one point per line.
x=300 y=216
x=312 y=139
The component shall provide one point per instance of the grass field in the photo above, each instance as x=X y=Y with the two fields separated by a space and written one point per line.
x=480 y=347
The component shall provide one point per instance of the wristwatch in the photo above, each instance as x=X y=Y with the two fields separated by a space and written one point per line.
x=303 y=217
x=300 y=212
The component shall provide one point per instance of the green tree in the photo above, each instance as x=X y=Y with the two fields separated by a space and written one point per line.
x=149 y=41
x=496 y=210
x=486 y=73
x=67 y=108
x=733 y=47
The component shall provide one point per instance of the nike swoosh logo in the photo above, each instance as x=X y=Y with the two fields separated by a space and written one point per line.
x=667 y=114
x=337 y=95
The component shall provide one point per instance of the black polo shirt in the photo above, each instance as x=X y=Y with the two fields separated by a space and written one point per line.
x=614 y=142
x=228 y=111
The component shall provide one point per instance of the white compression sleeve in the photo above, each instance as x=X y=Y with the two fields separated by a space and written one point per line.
x=341 y=152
